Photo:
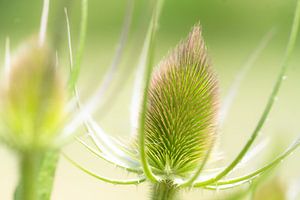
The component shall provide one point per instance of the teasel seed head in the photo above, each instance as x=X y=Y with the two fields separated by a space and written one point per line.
x=182 y=109
x=32 y=99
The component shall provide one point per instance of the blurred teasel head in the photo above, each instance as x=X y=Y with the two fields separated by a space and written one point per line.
x=32 y=99
x=182 y=110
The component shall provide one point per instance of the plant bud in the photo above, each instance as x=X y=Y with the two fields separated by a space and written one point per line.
x=182 y=107
x=32 y=99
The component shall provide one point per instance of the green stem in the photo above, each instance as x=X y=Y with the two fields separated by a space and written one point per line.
x=164 y=191
x=46 y=174
x=29 y=168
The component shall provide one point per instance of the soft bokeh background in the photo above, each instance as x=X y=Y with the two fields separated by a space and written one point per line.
x=232 y=29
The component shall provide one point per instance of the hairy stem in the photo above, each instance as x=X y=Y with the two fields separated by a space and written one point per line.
x=29 y=168
x=164 y=191
x=46 y=174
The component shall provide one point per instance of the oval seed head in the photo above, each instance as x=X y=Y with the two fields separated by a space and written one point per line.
x=32 y=99
x=182 y=105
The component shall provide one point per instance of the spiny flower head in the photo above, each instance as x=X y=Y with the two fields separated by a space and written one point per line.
x=182 y=107
x=32 y=99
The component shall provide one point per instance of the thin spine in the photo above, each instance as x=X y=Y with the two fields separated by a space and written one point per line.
x=7 y=62
x=271 y=100
x=94 y=101
x=238 y=181
x=137 y=86
x=92 y=123
x=96 y=153
x=137 y=95
x=112 y=181
x=82 y=37
x=233 y=90
x=250 y=155
x=109 y=75
x=149 y=64
x=249 y=177
x=262 y=170
x=69 y=39
x=44 y=22
x=108 y=146
x=75 y=92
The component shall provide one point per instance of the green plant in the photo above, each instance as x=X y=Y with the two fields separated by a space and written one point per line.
x=172 y=148
x=174 y=111
x=35 y=106
x=33 y=110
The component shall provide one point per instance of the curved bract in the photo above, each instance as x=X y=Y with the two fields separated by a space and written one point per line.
x=181 y=114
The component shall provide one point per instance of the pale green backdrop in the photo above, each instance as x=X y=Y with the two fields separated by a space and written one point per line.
x=232 y=29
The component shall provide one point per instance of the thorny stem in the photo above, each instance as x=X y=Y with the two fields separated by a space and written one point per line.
x=164 y=191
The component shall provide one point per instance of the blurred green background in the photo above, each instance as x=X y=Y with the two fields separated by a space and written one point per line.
x=232 y=30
